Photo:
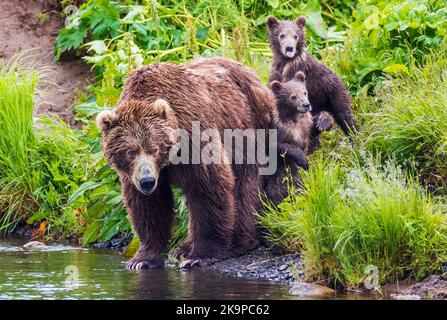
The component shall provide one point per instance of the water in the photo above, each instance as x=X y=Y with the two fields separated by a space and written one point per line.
x=67 y=272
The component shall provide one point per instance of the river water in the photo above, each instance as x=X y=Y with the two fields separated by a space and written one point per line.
x=67 y=272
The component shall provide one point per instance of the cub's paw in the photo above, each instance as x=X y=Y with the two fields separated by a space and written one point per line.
x=324 y=121
x=201 y=262
x=140 y=263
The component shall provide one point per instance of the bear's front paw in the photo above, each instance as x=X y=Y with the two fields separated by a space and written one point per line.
x=141 y=263
x=200 y=262
x=324 y=122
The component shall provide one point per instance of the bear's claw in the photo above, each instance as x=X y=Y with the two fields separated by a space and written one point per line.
x=190 y=263
x=136 y=264
x=181 y=251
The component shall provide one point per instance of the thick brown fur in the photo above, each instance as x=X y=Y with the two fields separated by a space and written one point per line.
x=222 y=198
x=326 y=90
x=294 y=123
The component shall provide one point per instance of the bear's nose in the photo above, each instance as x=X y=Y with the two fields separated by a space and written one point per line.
x=307 y=106
x=147 y=183
x=289 y=49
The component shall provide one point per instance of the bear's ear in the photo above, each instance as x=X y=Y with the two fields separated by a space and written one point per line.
x=275 y=86
x=106 y=119
x=272 y=22
x=162 y=107
x=301 y=21
x=300 y=76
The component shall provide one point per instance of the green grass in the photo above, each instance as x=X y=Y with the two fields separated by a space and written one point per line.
x=42 y=161
x=17 y=87
x=348 y=218
x=409 y=122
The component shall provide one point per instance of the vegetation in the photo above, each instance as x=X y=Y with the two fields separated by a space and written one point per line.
x=376 y=199
x=351 y=217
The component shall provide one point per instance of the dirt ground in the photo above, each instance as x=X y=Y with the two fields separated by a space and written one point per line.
x=22 y=27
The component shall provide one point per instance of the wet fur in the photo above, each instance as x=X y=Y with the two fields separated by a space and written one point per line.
x=222 y=199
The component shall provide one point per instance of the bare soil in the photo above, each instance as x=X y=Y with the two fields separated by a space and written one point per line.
x=34 y=24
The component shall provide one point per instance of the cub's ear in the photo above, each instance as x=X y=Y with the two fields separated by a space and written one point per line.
x=162 y=107
x=272 y=22
x=301 y=21
x=300 y=76
x=106 y=119
x=275 y=86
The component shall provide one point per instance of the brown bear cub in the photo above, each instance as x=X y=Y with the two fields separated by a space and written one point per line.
x=294 y=123
x=326 y=90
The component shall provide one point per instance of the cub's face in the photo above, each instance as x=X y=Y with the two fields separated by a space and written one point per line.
x=287 y=38
x=137 y=139
x=292 y=95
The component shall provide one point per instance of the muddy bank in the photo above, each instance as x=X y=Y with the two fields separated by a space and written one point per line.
x=33 y=25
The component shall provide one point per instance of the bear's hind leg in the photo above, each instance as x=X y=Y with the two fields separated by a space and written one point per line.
x=212 y=214
x=248 y=202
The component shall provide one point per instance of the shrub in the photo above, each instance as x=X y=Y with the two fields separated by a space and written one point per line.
x=388 y=37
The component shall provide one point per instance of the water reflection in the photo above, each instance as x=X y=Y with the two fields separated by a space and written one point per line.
x=102 y=275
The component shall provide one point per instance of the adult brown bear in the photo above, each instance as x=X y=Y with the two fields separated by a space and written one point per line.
x=137 y=137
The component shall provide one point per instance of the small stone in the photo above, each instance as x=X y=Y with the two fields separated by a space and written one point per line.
x=310 y=289
x=283 y=267
x=34 y=245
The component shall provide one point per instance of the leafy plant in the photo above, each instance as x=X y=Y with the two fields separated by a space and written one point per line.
x=388 y=38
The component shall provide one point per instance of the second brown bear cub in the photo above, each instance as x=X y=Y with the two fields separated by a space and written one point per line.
x=326 y=91
x=294 y=123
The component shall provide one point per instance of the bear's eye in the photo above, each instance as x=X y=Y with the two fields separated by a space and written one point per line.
x=282 y=36
x=131 y=154
x=293 y=98
x=305 y=93
x=296 y=37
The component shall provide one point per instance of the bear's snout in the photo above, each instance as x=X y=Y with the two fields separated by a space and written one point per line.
x=147 y=184
x=307 y=106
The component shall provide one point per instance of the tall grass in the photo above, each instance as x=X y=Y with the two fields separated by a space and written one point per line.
x=42 y=160
x=17 y=87
x=350 y=218
x=410 y=124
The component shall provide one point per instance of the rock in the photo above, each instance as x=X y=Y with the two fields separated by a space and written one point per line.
x=34 y=245
x=405 y=296
x=433 y=287
x=304 y=289
x=283 y=267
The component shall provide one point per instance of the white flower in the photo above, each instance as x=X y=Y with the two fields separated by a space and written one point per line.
x=122 y=55
x=138 y=59
x=122 y=68
x=134 y=49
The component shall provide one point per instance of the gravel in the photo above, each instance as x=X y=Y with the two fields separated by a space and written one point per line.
x=264 y=263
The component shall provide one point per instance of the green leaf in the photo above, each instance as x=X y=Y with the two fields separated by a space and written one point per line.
x=99 y=46
x=88 y=109
x=69 y=39
x=91 y=233
x=202 y=33
x=132 y=248
x=90 y=185
x=396 y=68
